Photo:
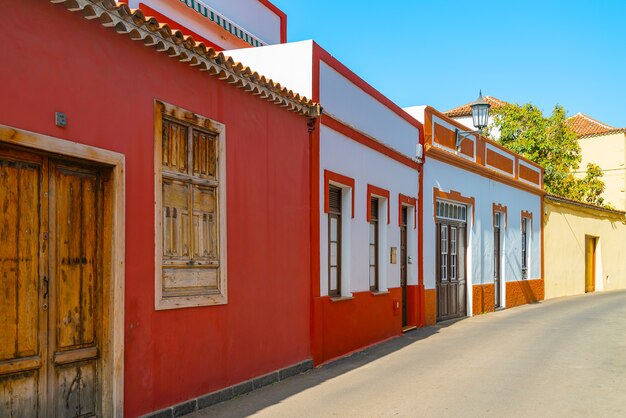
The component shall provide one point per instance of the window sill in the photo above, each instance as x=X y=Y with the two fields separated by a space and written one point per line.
x=379 y=293
x=341 y=298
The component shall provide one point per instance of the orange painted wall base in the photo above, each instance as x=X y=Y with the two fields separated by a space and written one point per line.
x=524 y=291
x=483 y=298
x=430 y=305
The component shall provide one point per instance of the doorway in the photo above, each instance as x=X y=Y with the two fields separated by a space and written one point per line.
x=403 y=263
x=590 y=263
x=451 y=281
x=53 y=264
x=497 y=259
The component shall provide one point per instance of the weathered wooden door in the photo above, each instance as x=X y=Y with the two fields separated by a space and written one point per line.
x=590 y=264
x=403 y=263
x=50 y=300
x=451 y=282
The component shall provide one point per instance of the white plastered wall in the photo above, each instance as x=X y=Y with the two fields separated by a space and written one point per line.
x=350 y=104
x=347 y=157
x=486 y=192
x=289 y=64
x=249 y=15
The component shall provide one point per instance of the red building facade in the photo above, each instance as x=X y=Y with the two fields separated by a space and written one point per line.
x=117 y=94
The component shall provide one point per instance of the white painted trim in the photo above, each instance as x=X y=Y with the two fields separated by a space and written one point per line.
x=599 y=274
x=469 y=271
x=219 y=130
x=113 y=350
x=346 y=239
x=503 y=242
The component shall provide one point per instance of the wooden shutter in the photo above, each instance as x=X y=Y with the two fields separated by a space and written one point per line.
x=334 y=199
x=373 y=208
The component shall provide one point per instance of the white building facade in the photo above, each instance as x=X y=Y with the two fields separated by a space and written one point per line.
x=365 y=240
x=482 y=234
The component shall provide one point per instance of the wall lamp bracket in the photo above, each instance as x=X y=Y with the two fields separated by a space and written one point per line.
x=460 y=136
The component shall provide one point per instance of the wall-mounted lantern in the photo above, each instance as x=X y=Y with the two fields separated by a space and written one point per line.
x=480 y=119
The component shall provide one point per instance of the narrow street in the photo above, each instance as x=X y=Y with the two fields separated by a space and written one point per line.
x=564 y=357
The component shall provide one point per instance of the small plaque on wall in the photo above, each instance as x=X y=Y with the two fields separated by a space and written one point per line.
x=394 y=255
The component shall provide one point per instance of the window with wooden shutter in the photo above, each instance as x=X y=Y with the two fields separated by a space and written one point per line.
x=190 y=210
x=334 y=241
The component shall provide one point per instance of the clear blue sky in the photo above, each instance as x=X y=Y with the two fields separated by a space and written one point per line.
x=442 y=52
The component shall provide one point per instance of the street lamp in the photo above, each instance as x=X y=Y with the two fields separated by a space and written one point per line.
x=480 y=119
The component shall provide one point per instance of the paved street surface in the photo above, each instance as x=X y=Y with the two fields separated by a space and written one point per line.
x=559 y=358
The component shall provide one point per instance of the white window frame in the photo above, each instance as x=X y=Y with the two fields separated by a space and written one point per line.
x=219 y=130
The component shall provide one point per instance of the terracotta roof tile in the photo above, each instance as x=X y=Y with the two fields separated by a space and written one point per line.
x=175 y=44
x=465 y=110
x=585 y=125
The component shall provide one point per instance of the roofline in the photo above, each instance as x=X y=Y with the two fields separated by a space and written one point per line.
x=573 y=202
x=486 y=139
x=611 y=132
x=175 y=44
x=320 y=54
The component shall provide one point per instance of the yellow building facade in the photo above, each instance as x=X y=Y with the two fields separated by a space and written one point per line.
x=584 y=248
x=604 y=146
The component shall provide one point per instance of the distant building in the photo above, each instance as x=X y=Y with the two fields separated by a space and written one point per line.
x=600 y=144
x=463 y=114
x=605 y=146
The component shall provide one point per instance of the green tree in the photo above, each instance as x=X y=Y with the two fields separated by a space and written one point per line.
x=549 y=142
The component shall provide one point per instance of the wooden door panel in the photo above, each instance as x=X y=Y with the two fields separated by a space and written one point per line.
x=19 y=260
x=19 y=394
x=76 y=208
x=20 y=348
x=76 y=389
x=75 y=341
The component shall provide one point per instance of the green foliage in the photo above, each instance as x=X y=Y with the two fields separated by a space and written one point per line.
x=549 y=142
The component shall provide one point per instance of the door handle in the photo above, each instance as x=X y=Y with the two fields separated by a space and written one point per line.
x=46 y=285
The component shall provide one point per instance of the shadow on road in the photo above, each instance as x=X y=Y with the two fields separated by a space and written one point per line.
x=257 y=400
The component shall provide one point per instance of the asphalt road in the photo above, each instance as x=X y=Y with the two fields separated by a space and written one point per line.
x=559 y=358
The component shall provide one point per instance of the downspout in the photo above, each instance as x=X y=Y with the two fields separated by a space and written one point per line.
x=421 y=319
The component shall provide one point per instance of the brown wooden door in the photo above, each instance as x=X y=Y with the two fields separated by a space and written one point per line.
x=497 y=256
x=403 y=263
x=50 y=303
x=590 y=264
x=451 y=282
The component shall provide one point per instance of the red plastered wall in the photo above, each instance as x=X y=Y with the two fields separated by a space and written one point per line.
x=55 y=60
x=343 y=326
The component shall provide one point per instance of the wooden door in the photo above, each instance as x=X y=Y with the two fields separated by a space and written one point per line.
x=451 y=282
x=51 y=335
x=403 y=263
x=497 y=257
x=590 y=264
x=23 y=298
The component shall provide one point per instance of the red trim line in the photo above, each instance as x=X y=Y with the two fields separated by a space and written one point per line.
x=407 y=201
x=377 y=191
x=368 y=141
x=362 y=84
x=339 y=179
x=281 y=15
x=174 y=25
